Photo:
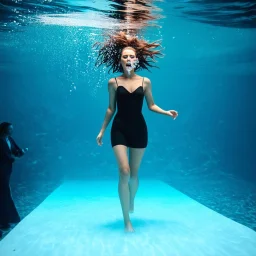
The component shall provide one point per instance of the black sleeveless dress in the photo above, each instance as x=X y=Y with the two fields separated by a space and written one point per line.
x=129 y=127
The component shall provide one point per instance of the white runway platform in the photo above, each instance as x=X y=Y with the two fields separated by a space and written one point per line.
x=84 y=218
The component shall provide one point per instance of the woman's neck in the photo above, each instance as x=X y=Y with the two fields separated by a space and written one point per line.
x=129 y=75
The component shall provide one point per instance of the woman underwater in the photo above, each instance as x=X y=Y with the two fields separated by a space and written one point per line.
x=129 y=130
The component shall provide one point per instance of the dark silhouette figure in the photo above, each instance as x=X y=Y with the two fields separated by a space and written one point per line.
x=9 y=151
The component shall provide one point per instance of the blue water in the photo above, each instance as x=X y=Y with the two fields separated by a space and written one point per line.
x=56 y=98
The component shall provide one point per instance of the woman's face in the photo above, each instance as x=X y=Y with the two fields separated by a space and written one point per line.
x=128 y=58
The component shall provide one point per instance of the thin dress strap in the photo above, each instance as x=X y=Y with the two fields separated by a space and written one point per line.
x=116 y=82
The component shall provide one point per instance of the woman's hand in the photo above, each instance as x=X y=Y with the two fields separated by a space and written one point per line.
x=99 y=139
x=24 y=150
x=172 y=113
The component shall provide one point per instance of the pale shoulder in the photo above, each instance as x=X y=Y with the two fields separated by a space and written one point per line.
x=112 y=83
x=147 y=82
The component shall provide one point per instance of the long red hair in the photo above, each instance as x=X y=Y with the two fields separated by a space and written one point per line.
x=110 y=51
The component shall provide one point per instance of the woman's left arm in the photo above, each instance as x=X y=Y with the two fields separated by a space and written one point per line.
x=17 y=151
x=151 y=104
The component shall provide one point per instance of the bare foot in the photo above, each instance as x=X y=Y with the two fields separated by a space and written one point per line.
x=131 y=207
x=129 y=228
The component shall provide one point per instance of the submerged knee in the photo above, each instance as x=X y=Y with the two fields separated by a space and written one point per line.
x=124 y=172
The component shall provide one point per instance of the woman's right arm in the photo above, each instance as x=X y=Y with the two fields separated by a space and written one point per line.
x=112 y=105
x=16 y=150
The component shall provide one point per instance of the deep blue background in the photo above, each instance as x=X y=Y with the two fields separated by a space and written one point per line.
x=208 y=74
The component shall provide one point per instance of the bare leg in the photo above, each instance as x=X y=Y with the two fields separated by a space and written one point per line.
x=133 y=187
x=135 y=158
x=123 y=187
x=124 y=195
